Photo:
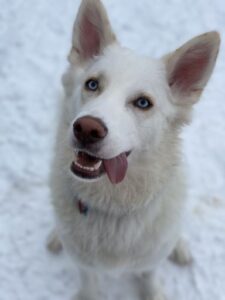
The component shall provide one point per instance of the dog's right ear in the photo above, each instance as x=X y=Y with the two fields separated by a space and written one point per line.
x=91 y=32
x=189 y=67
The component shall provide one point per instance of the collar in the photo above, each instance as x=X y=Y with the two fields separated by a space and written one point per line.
x=82 y=207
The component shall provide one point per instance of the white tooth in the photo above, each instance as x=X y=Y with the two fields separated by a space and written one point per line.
x=97 y=165
x=85 y=168
x=76 y=163
x=80 y=166
x=90 y=169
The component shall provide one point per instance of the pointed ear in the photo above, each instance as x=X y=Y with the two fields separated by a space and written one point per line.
x=189 y=67
x=91 y=32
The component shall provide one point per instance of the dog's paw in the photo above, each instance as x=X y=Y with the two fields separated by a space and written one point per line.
x=181 y=255
x=83 y=296
x=80 y=297
x=150 y=287
x=156 y=295
x=54 y=244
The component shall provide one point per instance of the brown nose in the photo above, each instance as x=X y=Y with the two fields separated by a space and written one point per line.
x=89 y=130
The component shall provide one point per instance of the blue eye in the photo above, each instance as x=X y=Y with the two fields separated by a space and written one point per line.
x=92 y=85
x=143 y=103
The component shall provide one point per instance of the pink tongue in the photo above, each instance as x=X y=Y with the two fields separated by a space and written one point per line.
x=116 y=168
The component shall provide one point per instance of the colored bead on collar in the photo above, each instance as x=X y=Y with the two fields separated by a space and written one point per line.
x=83 y=208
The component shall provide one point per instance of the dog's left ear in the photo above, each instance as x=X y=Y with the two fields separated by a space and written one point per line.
x=91 y=32
x=189 y=67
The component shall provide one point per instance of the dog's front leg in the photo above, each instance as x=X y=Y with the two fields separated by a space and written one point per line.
x=53 y=243
x=90 y=286
x=150 y=288
x=181 y=254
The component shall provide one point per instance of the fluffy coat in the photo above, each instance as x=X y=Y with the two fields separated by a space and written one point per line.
x=132 y=226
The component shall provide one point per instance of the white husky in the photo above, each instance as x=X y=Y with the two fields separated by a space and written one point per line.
x=117 y=180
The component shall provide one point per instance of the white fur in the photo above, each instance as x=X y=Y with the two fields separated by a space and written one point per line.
x=134 y=225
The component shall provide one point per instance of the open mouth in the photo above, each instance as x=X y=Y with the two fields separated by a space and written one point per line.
x=90 y=167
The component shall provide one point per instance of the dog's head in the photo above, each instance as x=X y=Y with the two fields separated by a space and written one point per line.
x=122 y=106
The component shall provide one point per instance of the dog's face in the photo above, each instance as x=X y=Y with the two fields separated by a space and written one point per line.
x=121 y=106
x=120 y=110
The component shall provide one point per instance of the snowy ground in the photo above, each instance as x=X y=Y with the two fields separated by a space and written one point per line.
x=34 y=40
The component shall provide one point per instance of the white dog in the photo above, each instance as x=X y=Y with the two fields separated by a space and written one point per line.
x=117 y=180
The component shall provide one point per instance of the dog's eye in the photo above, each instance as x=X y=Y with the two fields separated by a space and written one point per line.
x=92 y=85
x=143 y=103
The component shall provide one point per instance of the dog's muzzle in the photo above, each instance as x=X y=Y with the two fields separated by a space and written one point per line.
x=89 y=132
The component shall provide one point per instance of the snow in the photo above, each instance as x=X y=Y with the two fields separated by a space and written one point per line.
x=34 y=41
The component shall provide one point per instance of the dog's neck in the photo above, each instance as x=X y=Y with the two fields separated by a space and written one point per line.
x=87 y=211
x=133 y=194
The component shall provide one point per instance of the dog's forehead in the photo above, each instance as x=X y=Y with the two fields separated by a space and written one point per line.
x=125 y=66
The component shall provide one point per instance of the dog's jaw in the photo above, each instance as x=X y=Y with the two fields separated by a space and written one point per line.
x=88 y=167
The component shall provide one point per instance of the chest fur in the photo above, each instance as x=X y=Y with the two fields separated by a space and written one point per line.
x=111 y=242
